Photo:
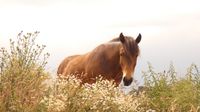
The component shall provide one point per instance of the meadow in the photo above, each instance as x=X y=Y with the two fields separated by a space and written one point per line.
x=25 y=86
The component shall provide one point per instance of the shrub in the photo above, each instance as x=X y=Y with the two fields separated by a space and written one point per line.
x=22 y=74
x=167 y=92
x=67 y=95
x=163 y=91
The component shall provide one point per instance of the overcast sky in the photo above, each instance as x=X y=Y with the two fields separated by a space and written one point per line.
x=170 y=29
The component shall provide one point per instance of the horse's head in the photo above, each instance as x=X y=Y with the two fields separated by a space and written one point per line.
x=129 y=52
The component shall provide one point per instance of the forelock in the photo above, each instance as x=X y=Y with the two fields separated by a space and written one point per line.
x=131 y=46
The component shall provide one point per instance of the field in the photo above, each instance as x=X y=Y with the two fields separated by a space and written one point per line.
x=25 y=86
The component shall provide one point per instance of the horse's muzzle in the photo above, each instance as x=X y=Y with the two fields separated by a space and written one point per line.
x=127 y=82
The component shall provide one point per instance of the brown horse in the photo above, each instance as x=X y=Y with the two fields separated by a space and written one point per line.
x=111 y=60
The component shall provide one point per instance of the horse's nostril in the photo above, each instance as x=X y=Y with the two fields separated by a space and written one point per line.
x=127 y=82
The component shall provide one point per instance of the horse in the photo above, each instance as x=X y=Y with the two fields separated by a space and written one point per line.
x=113 y=60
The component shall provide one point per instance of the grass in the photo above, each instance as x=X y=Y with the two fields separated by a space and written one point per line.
x=25 y=86
x=167 y=92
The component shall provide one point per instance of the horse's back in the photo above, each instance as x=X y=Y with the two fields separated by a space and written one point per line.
x=64 y=63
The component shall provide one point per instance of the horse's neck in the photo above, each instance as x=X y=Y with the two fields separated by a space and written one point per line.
x=104 y=59
x=109 y=52
x=115 y=40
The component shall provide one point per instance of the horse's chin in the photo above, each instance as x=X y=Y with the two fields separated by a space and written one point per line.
x=127 y=82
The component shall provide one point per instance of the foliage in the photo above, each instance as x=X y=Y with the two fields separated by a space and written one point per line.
x=22 y=74
x=164 y=92
x=167 y=92
x=103 y=96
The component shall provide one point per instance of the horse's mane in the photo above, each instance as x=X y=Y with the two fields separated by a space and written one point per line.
x=115 y=39
x=131 y=45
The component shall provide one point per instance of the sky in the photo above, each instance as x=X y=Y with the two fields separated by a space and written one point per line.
x=170 y=29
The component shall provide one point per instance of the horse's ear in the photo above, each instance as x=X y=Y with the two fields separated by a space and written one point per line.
x=121 y=37
x=138 y=39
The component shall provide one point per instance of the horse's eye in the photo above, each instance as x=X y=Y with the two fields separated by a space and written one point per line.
x=121 y=53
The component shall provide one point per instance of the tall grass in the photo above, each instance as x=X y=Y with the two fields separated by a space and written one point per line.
x=103 y=96
x=167 y=92
x=22 y=74
x=25 y=86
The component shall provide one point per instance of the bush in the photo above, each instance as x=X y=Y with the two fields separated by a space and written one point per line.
x=163 y=91
x=167 y=92
x=67 y=95
x=22 y=74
